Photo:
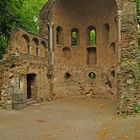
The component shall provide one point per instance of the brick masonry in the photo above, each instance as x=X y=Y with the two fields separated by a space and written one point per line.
x=114 y=54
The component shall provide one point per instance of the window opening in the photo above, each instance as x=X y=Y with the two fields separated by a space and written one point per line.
x=74 y=37
x=92 y=75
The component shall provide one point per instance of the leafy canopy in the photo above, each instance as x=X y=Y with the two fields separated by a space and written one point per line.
x=18 y=13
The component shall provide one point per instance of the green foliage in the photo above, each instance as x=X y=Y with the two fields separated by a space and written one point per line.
x=92 y=75
x=92 y=37
x=8 y=22
x=18 y=13
x=138 y=19
x=74 y=38
x=137 y=109
x=3 y=44
x=28 y=13
x=138 y=11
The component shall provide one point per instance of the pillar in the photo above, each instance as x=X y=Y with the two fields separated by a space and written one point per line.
x=127 y=67
x=50 y=73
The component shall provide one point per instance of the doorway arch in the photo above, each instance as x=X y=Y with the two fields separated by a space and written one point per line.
x=31 y=86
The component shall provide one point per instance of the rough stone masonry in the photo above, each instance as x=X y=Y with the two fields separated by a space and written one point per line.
x=86 y=48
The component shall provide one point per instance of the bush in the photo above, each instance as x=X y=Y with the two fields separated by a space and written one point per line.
x=137 y=108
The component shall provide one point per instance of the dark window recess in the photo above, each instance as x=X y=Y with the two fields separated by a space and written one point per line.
x=37 y=51
x=91 y=56
x=59 y=35
x=67 y=75
x=66 y=53
x=29 y=49
x=113 y=73
x=113 y=47
x=92 y=75
x=106 y=29
x=12 y=66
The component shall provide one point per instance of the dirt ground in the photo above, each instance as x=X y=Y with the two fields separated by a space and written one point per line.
x=79 y=118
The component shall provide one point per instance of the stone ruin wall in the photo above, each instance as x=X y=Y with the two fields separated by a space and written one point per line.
x=21 y=59
x=75 y=63
x=127 y=68
x=125 y=61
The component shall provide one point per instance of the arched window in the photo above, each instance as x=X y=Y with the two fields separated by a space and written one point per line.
x=43 y=49
x=113 y=47
x=66 y=53
x=92 y=36
x=74 y=37
x=37 y=51
x=27 y=42
x=106 y=30
x=59 y=35
x=35 y=46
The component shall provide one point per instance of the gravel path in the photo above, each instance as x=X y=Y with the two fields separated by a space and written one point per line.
x=69 y=119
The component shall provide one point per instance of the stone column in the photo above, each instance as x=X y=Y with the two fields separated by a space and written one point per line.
x=127 y=68
x=119 y=34
x=50 y=43
x=50 y=73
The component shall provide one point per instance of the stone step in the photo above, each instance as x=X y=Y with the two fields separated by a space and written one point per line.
x=32 y=102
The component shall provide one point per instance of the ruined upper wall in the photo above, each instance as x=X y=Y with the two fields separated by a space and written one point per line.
x=48 y=6
x=45 y=11
x=26 y=43
x=69 y=10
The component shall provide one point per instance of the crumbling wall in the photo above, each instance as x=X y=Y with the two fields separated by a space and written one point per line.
x=116 y=72
x=73 y=59
x=127 y=69
x=22 y=58
x=6 y=68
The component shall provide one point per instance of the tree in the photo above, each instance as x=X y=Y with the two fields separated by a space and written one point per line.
x=18 y=13
x=8 y=22
x=138 y=11
x=28 y=14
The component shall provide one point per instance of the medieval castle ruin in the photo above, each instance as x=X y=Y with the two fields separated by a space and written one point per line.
x=84 y=48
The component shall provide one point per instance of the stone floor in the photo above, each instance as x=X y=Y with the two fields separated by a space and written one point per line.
x=69 y=119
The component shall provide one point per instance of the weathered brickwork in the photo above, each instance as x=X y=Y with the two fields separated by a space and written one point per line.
x=68 y=15
x=116 y=48
x=71 y=64
x=24 y=68
x=127 y=70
